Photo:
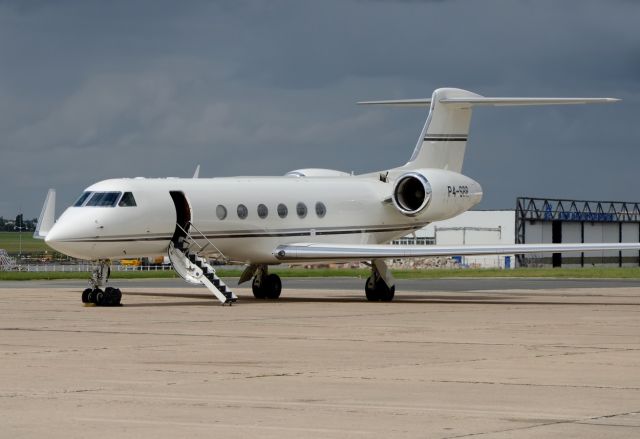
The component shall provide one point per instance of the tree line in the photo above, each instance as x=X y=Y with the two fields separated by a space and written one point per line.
x=26 y=225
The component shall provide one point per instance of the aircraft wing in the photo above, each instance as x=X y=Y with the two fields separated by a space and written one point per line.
x=311 y=251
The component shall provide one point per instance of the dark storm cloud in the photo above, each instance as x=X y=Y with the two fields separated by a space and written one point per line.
x=93 y=90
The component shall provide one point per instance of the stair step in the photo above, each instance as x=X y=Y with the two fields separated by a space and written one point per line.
x=182 y=243
x=185 y=259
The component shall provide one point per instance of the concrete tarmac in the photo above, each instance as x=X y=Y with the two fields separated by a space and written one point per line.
x=496 y=362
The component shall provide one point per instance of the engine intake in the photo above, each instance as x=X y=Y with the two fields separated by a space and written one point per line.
x=411 y=193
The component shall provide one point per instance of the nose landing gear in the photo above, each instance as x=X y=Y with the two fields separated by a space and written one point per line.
x=96 y=295
x=108 y=297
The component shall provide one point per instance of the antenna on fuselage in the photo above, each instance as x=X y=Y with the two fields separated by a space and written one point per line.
x=197 y=173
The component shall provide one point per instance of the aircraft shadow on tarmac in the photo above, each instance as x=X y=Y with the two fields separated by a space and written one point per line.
x=498 y=299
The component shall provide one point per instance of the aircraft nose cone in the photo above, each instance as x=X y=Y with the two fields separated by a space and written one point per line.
x=66 y=234
x=55 y=238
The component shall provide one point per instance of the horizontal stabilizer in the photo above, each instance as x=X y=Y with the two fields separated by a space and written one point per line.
x=526 y=101
x=400 y=102
x=498 y=102
x=367 y=252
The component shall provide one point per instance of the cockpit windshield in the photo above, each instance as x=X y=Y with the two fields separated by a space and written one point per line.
x=82 y=199
x=103 y=199
x=127 y=200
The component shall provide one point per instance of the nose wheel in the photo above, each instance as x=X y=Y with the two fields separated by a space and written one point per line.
x=97 y=294
x=109 y=297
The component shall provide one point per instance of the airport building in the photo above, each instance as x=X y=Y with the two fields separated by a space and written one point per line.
x=540 y=220
x=543 y=220
x=474 y=227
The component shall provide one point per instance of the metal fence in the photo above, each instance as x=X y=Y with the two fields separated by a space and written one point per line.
x=85 y=268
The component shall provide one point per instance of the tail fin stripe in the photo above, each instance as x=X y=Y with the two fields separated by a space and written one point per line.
x=445 y=138
x=448 y=135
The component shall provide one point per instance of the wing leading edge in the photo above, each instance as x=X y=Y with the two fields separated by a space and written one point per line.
x=311 y=251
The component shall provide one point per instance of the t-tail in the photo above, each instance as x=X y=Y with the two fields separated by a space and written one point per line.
x=443 y=140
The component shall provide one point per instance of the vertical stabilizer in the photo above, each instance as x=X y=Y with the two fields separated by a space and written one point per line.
x=47 y=216
x=443 y=139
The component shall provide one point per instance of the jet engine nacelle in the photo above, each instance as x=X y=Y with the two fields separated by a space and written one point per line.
x=435 y=193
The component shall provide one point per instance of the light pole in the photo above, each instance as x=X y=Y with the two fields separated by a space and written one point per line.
x=20 y=228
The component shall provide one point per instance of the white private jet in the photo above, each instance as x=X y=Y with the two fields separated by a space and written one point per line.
x=307 y=215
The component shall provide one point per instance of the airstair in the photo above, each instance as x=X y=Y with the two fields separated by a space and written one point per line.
x=7 y=263
x=184 y=254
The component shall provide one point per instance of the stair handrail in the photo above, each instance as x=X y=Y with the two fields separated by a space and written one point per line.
x=190 y=236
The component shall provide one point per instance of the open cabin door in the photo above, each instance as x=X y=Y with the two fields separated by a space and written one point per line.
x=183 y=215
x=187 y=263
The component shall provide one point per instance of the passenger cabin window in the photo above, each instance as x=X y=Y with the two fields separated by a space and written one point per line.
x=103 y=199
x=82 y=199
x=242 y=211
x=263 y=211
x=321 y=209
x=127 y=200
x=282 y=210
x=301 y=210
x=221 y=212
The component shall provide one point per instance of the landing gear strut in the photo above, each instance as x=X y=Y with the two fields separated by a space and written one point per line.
x=96 y=295
x=380 y=286
x=265 y=285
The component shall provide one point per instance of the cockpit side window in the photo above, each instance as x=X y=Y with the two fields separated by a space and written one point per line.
x=82 y=199
x=127 y=200
x=104 y=199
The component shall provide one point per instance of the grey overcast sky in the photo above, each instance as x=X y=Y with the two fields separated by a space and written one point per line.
x=91 y=90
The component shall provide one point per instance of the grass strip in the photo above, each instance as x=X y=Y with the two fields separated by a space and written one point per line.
x=553 y=273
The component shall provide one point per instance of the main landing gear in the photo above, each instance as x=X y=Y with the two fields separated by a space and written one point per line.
x=265 y=285
x=96 y=295
x=380 y=286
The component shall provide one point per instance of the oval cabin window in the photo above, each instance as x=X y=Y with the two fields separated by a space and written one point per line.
x=321 y=209
x=242 y=211
x=221 y=212
x=301 y=210
x=282 y=210
x=263 y=211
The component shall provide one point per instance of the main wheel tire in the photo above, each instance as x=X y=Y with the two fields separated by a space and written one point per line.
x=258 y=288
x=274 y=286
x=86 y=295
x=370 y=290
x=386 y=294
x=378 y=291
